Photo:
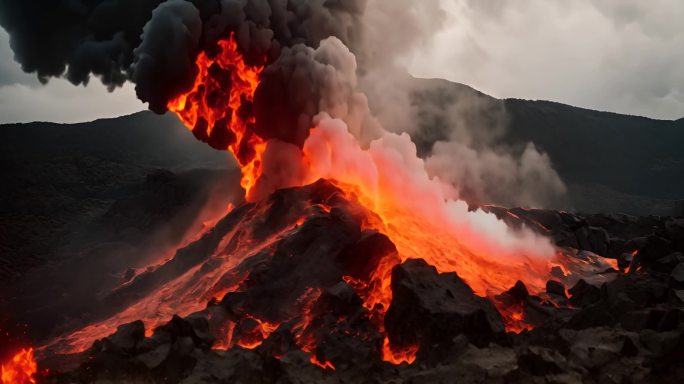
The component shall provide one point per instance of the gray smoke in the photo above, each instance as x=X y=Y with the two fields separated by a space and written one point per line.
x=462 y=134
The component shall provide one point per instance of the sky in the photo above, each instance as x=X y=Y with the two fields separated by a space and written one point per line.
x=23 y=98
x=624 y=56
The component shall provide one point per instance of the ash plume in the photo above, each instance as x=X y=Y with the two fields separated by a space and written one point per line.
x=154 y=43
x=309 y=51
x=462 y=134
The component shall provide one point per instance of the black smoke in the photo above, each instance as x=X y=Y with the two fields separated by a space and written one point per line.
x=154 y=43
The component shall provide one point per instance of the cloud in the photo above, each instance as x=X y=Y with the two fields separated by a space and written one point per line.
x=24 y=99
x=617 y=55
x=10 y=71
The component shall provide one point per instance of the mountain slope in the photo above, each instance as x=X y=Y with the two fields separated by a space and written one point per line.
x=610 y=162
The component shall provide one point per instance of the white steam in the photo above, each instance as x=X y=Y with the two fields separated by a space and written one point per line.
x=460 y=132
x=388 y=169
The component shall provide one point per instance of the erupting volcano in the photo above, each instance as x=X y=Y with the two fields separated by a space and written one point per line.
x=346 y=259
x=276 y=266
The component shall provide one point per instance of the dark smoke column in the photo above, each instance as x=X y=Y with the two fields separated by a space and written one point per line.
x=155 y=44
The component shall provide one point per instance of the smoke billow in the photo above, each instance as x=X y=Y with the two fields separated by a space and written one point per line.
x=154 y=43
x=462 y=134
x=464 y=137
x=308 y=108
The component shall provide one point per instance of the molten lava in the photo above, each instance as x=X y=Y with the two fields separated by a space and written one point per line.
x=398 y=355
x=218 y=108
x=256 y=335
x=21 y=369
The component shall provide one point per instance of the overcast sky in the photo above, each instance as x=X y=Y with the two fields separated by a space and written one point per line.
x=625 y=56
x=23 y=98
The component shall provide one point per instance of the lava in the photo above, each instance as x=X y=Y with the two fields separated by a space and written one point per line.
x=218 y=108
x=323 y=364
x=21 y=369
x=514 y=317
x=259 y=331
x=398 y=356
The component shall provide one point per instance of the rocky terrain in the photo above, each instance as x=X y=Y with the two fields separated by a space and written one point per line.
x=105 y=203
x=629 y=328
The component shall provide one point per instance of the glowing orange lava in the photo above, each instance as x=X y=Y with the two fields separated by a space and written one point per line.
x=389 y=180
x=258 y=334
x=21 y=369
x=215 y=109
x=398 y=356
x=514 y=318
x=323 y=364
x=418 y=231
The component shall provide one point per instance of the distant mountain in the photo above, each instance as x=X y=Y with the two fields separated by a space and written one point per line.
x=631 y=154
x=610 y=162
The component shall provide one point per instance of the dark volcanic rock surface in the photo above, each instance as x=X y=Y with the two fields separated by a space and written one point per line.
x=628 y=328
x=430 y=309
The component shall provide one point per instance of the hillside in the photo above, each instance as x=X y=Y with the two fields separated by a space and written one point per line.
x=69 y=174
x=610 y=162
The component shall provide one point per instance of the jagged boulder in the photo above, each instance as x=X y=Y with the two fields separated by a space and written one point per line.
x=430 y=309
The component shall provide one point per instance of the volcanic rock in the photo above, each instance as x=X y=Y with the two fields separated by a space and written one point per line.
x=304 y=272
x=554 y=287
x=430 y=309
x=678 y=273
x=583 y=294
x=127 y=337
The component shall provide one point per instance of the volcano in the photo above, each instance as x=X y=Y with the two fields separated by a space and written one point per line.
x=302 y=285
x=347 y=256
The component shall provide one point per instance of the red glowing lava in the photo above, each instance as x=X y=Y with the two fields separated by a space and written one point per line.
x=416 y=219
x=21 y=369
x=216 y=109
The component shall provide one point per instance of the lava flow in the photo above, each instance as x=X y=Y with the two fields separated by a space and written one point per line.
x=21 y=369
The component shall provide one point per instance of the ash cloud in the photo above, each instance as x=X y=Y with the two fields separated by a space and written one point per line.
x=153 y=43
x=309 y=70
